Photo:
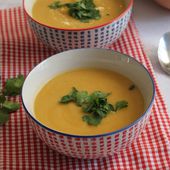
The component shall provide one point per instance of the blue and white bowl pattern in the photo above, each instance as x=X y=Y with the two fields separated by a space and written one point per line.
x=99 y=37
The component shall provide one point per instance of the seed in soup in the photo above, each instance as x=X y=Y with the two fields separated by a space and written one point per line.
x=68 y=118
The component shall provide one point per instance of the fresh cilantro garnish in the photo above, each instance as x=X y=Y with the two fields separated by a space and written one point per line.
x=70 y=97
x=132 y=87
x=83 y=10
x=120 y=105
x=92 y=120
x=2 y=98
x=95 y=105
x=10 y=106
x=12 y=88
x=81 y=97
x=55 y=5
x=4 y=116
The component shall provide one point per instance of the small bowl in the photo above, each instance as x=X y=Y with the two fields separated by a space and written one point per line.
x=65 y=39
x=97 y=146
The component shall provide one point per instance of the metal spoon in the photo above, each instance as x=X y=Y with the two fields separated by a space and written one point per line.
x=164 y=52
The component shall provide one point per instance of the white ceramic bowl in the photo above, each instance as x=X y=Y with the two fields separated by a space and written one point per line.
x=65 y=39
x=97 y=146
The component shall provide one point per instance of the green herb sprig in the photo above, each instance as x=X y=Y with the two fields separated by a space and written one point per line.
x=94 y=105
x=83 y=10
x=12 y=88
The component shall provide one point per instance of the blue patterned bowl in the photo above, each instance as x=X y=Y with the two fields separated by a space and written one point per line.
x=65 y=39
x=93 y=146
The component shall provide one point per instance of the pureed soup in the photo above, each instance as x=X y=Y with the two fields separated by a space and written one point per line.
x=65 y=103
x=77 y=14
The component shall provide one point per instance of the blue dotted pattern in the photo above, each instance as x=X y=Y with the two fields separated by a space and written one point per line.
x=64 y=40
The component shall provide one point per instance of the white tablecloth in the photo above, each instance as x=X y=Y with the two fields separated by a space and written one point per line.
x=152 y=21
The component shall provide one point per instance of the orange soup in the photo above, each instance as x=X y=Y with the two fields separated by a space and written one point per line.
x=67 y=118
x=60 y=17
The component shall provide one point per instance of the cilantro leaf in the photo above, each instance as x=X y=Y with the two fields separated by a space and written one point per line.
x=95 y=104
x=10 y=106
x=70 y=97
x=99 y=94
x=81 y=98
x=73 y=93
x=4 y=117
x=55 y=5
x=83 y=10
x=66 y=99
x=87 y=107
x=92 y=120
x=2 y=98
x=13 y=86
x=120 y=105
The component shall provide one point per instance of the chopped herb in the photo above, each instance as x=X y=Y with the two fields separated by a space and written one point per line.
x=55 y=5
x=92 y=120
x=66 y=99
x=83 y=10
x=98 y=106
x=95 y=105
x=12 y=87
x=2 y=98
x=120 y=105
x=4 y=116
x=70 y=97
x=99 y=94
x=10 y=106
x=132 y=87
x=82 y=97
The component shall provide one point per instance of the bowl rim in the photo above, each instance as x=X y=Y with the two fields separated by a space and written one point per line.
x=80 y=29
x=98 y=135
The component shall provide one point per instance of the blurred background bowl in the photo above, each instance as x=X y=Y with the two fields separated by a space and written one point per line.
x=97 y=146
x=65 y=39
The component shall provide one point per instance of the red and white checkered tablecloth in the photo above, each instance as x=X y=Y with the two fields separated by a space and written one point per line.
x=20 y=148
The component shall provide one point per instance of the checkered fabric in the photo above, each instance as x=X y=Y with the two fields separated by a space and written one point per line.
x=20 y=148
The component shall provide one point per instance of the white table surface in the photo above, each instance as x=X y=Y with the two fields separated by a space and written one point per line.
x=152 y=21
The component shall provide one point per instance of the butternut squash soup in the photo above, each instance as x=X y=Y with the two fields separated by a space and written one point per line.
x=88 y=101
x=77 y=13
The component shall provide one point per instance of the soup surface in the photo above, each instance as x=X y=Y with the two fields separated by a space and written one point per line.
x=60 y=18
x=67 y=118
